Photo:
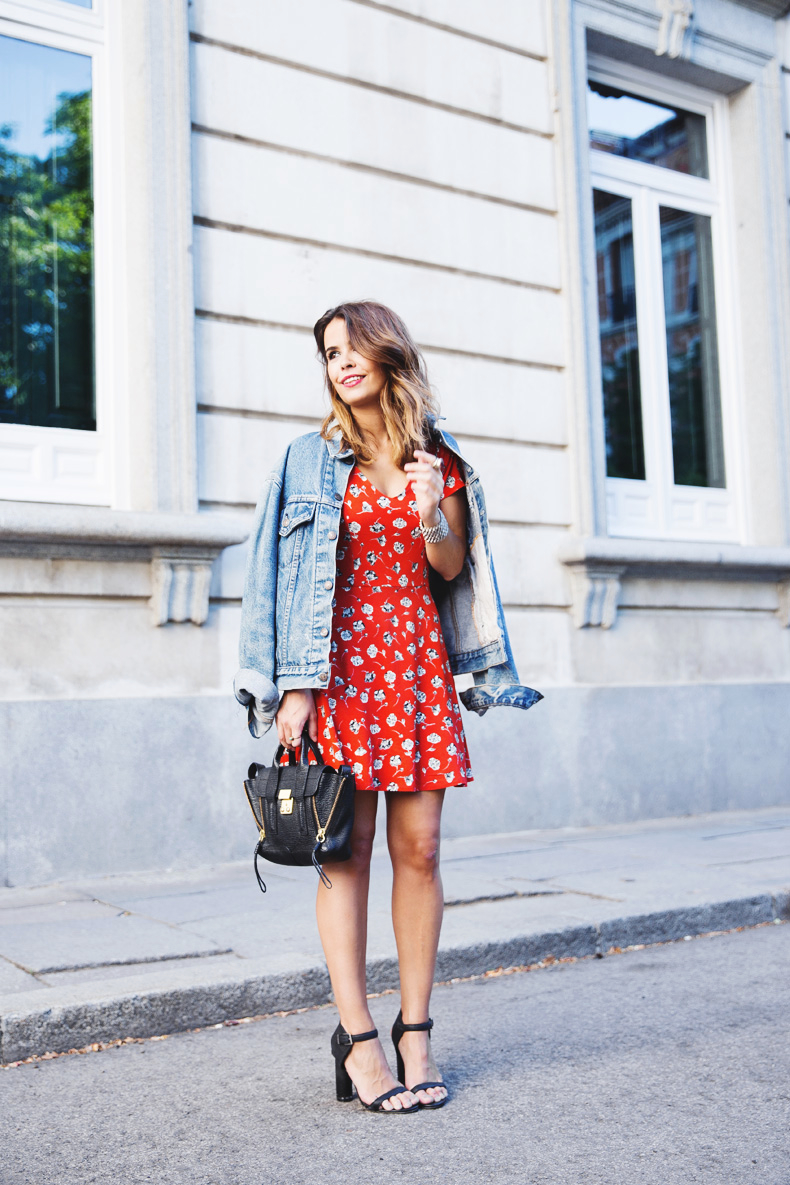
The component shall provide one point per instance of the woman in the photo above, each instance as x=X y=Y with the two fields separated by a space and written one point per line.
x=379 y=499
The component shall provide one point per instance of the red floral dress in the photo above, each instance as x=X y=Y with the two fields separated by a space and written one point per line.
x=390 y=709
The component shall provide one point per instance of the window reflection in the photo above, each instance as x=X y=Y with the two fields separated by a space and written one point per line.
x=46 y=237
x=689 y=310
x=622 y=403
x=625 y=125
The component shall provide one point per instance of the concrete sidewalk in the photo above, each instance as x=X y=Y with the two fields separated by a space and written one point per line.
x=138 y=955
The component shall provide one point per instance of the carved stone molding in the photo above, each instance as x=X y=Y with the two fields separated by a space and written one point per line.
x=596 y=594
x=675 y=18
x=597 y=565
x=181 y=548
x=180 y=583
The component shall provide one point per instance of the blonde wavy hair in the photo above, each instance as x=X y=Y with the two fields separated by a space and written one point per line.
x=407 y=401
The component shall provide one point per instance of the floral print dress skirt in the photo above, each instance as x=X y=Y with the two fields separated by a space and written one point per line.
x=390 y=709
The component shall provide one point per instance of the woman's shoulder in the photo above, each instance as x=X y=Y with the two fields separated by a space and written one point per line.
x=307 y=448
x=308 y=442
x=445 y=440
x=301 y=457
x=445 y=444
x=452 y=468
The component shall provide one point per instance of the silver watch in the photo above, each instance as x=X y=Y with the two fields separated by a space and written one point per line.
x=437 y=533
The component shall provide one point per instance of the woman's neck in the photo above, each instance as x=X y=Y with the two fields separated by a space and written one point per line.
x=374 y=430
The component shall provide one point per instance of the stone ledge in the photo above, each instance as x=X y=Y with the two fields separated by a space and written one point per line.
x=598 y=565
x=181 y=548
x=772 y=8
x=171 y=1002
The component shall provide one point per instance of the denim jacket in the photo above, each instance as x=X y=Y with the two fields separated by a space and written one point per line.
x=286 y=620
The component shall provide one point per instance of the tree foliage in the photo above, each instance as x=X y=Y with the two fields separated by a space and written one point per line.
x=46 y=274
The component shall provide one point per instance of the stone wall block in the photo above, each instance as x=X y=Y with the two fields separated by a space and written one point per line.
x=383 y=50
x=276 y=105
x=320 y=201
x=303 y=280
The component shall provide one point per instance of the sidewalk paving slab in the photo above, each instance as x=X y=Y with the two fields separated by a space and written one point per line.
x=140 y=954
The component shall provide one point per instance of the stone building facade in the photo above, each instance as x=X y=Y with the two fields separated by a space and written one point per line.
x=580 y=208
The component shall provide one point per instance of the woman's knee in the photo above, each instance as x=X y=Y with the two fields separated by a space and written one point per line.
x=418 y=852
x=360 y=856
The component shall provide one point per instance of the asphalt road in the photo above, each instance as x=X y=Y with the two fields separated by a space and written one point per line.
x=670 y=1064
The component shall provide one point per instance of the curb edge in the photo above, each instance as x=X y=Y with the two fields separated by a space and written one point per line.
x=32 y=1031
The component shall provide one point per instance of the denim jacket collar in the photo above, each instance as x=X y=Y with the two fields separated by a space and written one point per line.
x=335 y=450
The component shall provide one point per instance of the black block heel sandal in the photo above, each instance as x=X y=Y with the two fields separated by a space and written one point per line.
x=341 y=1048
x=398 y=1029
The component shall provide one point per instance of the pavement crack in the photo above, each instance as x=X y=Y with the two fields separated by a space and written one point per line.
x=576 y=892
x=750 y=860
x=21 y=967
x=594 y=896
x=501 y=897
x=200 y=954
x=750 y=831
x=498 y=855
x=179 y=927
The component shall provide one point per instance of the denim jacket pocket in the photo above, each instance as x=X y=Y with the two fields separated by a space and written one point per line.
x=296 y=512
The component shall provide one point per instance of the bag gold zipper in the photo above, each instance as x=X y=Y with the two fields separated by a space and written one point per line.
x=260 y=826
x=320 y=834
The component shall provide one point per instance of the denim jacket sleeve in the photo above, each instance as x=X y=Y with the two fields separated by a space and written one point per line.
x=254 y=684
x=498 y=685
x=473 y=621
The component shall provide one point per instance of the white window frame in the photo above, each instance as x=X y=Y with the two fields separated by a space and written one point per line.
x=42 y=464
x=656 y=507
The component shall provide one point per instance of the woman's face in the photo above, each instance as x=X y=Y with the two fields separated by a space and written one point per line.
x=357 y=380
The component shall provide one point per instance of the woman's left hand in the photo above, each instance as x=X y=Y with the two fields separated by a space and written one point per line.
x=427 y=484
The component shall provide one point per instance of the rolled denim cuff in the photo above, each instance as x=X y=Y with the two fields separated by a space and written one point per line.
x=258 y=720
x=254 y=690
x=483 y=696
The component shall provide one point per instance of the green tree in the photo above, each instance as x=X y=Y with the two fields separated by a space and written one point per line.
x=46 y=274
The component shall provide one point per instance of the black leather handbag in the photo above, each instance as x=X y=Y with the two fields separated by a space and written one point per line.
x=304 y=812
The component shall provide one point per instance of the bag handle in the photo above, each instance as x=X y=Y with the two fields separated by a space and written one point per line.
x=307 y=745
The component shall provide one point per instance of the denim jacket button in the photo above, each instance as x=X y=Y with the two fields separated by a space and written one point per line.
x=324 y=632
x=324 y=676
x=327 y=584
x=339 y=497
x=332 y=535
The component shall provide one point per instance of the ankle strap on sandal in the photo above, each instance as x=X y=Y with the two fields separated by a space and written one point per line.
x=422 y=1027
x=345 y=1038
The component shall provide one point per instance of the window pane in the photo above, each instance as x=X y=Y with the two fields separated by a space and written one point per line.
x=697 y=447
x=622 y=403
x=46 y=237
x=625 y=125
x=81 y=3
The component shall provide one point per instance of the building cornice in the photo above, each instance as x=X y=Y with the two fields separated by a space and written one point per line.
x=181 y=548
x=772 y=8
x=598 y=565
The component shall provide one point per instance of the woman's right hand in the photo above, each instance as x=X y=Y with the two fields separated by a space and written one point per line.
x=297 y=709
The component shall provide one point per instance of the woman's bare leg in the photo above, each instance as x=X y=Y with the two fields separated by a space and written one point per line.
x=413 y=832
x=342 y=913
